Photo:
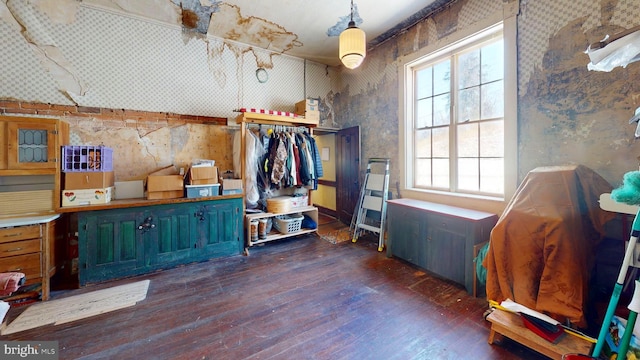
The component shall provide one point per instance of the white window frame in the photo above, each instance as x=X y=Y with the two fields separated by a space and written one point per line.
x=506 y=23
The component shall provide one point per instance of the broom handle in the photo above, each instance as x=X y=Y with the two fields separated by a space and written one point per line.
x=626 y=338
x=617 y=289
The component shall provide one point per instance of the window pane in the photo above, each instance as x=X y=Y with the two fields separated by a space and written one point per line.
x=492 y=139
x=469 y=69
x=442 y=78
x=468 y=140
x=424 y=83
x=423 y=143
x=492 y=176
x=441 y=112
x=441 y=142
x=423 y=172
x=492 y=100
x=441 y=173
x=493 y=62
x=424 y=114
x=468 y=174
x=468 y=105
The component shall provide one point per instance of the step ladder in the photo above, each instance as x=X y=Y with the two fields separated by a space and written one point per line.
x=373 y=196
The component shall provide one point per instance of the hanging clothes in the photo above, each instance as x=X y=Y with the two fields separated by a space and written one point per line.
x=253 y=151
x=279 y=160
x=305 y=174
x=317 y=160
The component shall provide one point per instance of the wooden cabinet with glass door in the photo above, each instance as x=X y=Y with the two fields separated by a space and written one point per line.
x=32 y=144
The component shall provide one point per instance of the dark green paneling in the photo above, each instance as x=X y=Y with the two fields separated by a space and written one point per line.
x=105 y=244
x=166 y=232
x=183 y=232
x=128 y=249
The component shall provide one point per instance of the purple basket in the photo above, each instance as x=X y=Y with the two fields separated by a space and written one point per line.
x=86 y=158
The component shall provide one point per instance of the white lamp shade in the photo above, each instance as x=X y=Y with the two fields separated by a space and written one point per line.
x=353 y=47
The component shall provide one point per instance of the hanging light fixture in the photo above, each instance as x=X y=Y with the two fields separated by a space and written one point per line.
x=353 y=44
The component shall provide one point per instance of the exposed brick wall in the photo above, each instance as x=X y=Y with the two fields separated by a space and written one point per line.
x=9 y=107
x=142 y=141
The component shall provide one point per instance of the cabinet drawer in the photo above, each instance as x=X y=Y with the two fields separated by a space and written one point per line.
x=15 y=248
x=28 y=264
x=19 y=233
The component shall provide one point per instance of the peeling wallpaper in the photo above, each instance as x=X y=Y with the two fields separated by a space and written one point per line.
x=97 y=56
x=567 y=115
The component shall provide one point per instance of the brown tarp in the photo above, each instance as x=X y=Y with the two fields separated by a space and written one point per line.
x=541 y=250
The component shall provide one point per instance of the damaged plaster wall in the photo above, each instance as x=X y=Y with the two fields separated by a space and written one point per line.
x=111 y=58
x=140 y=147
x=567 y=115
x=369 y=95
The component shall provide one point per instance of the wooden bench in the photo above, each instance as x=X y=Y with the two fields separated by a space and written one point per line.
x=504 y=323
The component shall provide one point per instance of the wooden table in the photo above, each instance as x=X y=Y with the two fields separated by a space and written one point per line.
x=508 y=324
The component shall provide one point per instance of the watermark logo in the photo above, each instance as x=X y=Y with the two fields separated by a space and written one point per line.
x=32 y=350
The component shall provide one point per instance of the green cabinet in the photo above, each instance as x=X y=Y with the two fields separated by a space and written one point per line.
x=115 y=243
x=437 y=238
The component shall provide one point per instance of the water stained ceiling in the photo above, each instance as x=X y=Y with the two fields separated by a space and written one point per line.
x=303 y=29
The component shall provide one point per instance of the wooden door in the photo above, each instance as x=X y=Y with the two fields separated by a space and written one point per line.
x=347 y=172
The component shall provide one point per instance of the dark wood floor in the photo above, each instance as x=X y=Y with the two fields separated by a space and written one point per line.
x=298 y=298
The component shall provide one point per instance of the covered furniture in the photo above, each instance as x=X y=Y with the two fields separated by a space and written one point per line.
x=541 y=249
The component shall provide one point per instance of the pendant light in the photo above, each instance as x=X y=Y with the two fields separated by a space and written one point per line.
x=353 y=44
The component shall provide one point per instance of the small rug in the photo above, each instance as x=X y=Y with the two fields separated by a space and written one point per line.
x=78 y=307
x=336 y=236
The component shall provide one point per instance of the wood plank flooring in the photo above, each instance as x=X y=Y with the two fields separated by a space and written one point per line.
x=297 y=298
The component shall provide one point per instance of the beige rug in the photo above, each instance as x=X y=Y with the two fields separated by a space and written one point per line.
x=336 y=236
x=77 y=307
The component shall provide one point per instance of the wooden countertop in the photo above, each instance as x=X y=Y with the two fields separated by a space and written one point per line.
x=27 y=220
x=129 y=203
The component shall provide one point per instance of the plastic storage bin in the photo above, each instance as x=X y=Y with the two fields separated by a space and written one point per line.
x=288 y=224
x=86 y=158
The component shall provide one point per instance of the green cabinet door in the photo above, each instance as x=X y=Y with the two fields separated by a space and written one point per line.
x=407 y=234
x=218 y=228
x=171 y=241
x=446 y=241
x=112 y=245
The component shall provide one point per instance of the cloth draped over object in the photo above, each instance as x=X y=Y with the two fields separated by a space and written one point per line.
x=541 y=250
x=10 y=282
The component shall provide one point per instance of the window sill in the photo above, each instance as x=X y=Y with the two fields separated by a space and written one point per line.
x=467 y=201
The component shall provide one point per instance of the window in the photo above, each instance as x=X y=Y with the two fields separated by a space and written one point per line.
x=455 y=119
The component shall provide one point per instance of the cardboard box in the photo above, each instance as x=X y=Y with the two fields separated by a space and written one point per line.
x=309 y=108
x=202 y=175
x=88 y=180
x=165 y=183
x=231 y=184
x=128 y=189
x=171 y=194
x=198 y=191
x=86 y=196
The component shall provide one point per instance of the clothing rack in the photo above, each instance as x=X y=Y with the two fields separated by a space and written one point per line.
x=295 y=125
x=279 y=128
